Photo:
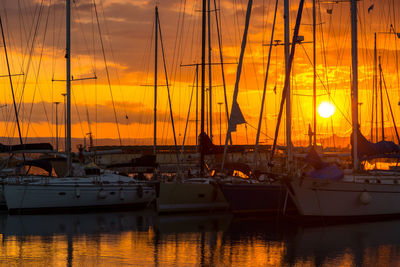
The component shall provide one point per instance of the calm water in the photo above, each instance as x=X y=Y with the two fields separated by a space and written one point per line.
x=146 y=239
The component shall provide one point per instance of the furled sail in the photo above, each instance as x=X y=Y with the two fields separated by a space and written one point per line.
x=209 y=148
x=369 y=150
x=322 y=170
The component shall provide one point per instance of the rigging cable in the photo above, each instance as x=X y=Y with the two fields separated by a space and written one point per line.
x=116 y=71
x=35 y=34
x=108 y=75
x=93 y=69
x=326 y=89
x=11 y=85
x=287 y=77
x=187 y=118
x=169 y=96
x=265 y=84
x=37 y=81
x=390 y=106
x=219 y=35
x=95 y=81
x=33 y=24
x=77 y=112
x=177 y=47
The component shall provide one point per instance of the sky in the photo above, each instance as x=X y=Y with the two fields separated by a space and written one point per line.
x=117 y=47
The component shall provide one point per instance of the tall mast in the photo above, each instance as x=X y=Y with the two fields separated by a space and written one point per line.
x=155 y=78
x=197 y=107
x=375 y=92
x=265 y=88
x=209 y=68
x=203 y=57
x=235 y=110
x=314 y=79
x=65 y=121
x=380 y=88
x=354 y=102
x=288 y=94
x=287 y=79
x=68 y=59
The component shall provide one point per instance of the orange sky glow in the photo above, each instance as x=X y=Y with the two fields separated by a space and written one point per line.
x=35 y=38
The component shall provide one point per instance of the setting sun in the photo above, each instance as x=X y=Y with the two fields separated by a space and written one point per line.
x=326 y=109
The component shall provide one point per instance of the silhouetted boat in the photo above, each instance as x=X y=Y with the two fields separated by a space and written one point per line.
x=329 y=192
x=191 y=195
x=261 y=198
x=87 y=187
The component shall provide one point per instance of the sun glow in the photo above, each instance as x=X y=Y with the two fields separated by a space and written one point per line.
x=326 y=109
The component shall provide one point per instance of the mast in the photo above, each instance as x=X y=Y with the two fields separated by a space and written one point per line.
x=314 y=79
x=354 y=102
x=155 y=78
x=65 y=121
x=203 y=57
x=375 y=94
x=288 y=94
x=235 y=110
x=287 y=78
x=197 y=107
x=68 y=65
x=380 y=88
x=265 y=88
x=209 y=69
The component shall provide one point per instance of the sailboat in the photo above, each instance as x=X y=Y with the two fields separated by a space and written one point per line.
x=264 y=195
x=88 y=187
x=331 y=193
x=191 y=193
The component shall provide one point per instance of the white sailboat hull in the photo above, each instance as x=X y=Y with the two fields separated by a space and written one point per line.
x=67 y=195
x=331 y=198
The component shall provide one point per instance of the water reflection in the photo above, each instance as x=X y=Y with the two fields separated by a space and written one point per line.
x=146 y=239
x=362 y=244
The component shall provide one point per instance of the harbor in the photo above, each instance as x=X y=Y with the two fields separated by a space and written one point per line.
x=199 y=133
